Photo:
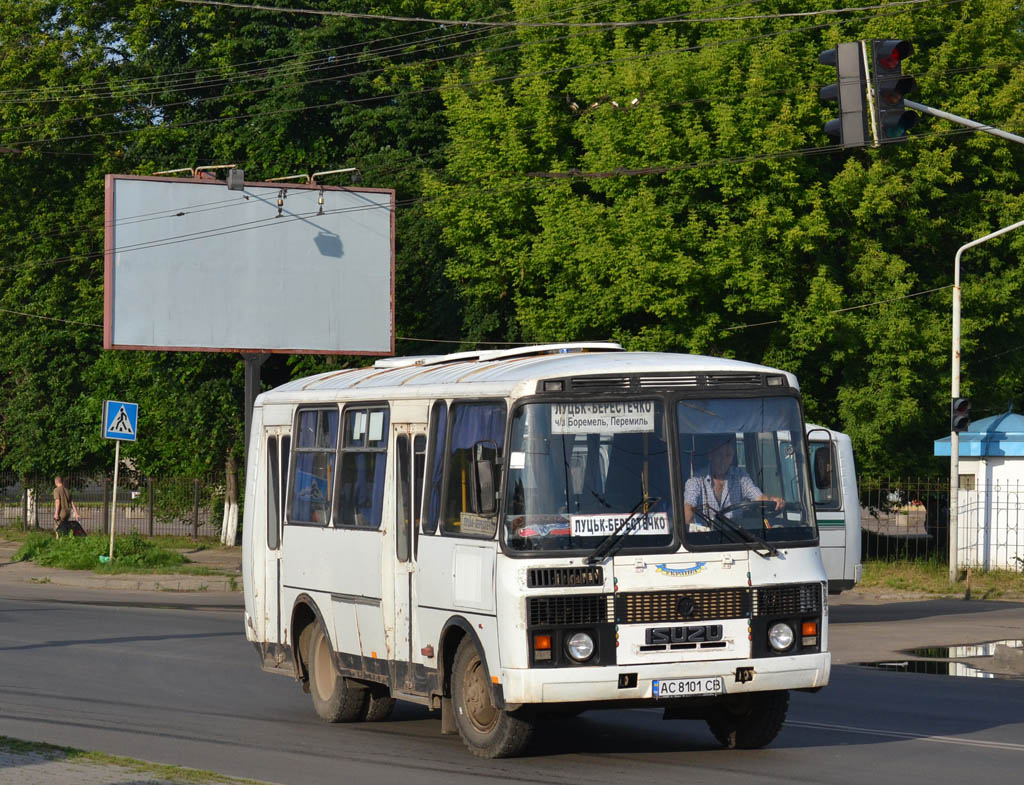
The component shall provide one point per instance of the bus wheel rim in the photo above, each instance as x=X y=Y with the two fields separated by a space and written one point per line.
x=324 y=670
x=479 y=708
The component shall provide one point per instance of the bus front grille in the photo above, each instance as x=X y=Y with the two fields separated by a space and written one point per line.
x=567 y=609
x=681 y=606
x=792 y=600
x=545 y=577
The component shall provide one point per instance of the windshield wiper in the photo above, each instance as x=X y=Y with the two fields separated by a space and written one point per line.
x=610 y=545
x=751 y=539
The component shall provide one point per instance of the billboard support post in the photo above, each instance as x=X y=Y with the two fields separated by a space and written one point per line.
x=253 y=364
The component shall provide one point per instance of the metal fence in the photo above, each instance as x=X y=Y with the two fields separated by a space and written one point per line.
x=904 y=518
x=150 y=506
x=908 y=518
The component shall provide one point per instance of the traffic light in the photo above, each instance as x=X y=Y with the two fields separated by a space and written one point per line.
x=850 y=129
x=891 y=87
x=960 y=414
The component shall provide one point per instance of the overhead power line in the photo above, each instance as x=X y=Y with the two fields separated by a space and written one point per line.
x=333 y=57
x=668 y=20
x=427 y=90
x=432 y=89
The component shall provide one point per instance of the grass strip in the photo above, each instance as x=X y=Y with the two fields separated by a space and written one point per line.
x=178 y=775
x=133 y=553
x=931 y=577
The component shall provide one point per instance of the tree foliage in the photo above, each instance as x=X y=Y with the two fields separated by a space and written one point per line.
x=140 y=86
x=662 y=185
x=700 y=214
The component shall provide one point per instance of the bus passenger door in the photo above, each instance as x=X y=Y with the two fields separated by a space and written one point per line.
x=410 y=451
x=278 y=443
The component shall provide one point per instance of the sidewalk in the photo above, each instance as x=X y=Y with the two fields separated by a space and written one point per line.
x=24 y=580
x=34 y=768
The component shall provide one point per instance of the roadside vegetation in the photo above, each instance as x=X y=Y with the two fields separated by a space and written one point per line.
x=133 y=553
x=931 y=577
x=34 y=752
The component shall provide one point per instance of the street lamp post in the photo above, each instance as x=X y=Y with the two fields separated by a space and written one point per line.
x=954 y=436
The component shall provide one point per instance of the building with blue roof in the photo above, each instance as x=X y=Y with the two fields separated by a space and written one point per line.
x=990 y=531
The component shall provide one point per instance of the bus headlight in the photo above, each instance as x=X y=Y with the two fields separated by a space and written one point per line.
x=580 y=646
x=780 y=636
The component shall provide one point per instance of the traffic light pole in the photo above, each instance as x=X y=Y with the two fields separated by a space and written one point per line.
x=954 y=436
x=988 y=129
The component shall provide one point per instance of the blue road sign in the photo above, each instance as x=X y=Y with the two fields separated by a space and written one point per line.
x=120 y=420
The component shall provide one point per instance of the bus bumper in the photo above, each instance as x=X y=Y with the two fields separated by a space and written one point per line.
x=583 y=685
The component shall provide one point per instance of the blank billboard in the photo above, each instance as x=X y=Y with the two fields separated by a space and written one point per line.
x=193 y=266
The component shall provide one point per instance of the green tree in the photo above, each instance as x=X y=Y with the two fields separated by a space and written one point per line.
x=142 y=86
x=683 y=203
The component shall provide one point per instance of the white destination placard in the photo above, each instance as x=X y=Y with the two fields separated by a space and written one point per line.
x=602 y=525
x=603 y=417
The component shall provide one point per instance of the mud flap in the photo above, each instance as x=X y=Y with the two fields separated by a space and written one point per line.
x=448 y=727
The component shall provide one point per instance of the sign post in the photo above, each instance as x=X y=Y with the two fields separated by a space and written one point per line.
x=120 y=423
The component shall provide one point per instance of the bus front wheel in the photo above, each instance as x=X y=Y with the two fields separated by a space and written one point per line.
x=488 y=732
x=749 y=720
x=335 y=698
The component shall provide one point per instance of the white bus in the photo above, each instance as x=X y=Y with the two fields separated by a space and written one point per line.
x=836 y=505
x=503 y=534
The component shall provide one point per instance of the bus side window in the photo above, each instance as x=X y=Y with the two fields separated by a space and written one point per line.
x=403 y=502
x=471 y=423
x=435 y=466
x=286 y=446
x=312 y=470
x=419 y=461
x=363 y=459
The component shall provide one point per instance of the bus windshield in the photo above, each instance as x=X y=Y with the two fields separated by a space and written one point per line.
x=578 y=470
x=743 y=466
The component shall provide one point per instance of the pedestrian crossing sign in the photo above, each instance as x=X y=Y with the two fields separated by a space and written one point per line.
x=120 y=420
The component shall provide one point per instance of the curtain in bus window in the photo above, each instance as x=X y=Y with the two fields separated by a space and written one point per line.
x=273 y=494
x=732 y=415
x=438 y=433
x=471 y=423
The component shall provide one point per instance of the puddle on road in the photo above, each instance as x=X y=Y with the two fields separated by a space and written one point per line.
x=942 y=660
x=968 y=650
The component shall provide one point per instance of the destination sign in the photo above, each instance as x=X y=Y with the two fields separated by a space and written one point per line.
x=603 y=417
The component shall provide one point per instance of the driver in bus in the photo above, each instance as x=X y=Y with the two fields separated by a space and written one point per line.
x=723 y=486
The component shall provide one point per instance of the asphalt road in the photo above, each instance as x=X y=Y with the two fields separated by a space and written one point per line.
x=181 y=686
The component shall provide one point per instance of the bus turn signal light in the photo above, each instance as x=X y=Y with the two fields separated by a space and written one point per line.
x=541 y=647
x=809 y=633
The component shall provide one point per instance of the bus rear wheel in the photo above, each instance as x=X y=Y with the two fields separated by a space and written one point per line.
x=749 y=720
x=335 y=698
x=379 y=704
x=488 y=732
